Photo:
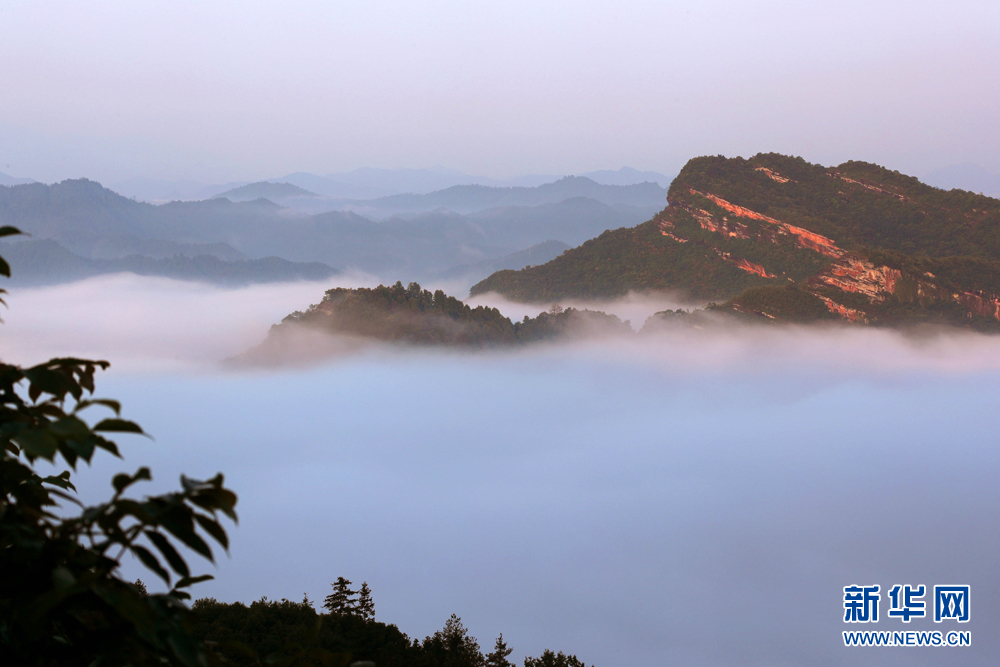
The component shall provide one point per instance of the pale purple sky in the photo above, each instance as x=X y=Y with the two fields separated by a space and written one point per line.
x=246 y=90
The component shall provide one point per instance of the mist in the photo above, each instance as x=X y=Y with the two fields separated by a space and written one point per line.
x=694 y=496
x=146 y=324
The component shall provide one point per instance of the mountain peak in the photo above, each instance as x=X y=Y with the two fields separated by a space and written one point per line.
x=861 y=242
x=264 y=190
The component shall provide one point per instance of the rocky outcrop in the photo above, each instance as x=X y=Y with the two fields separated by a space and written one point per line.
x=979 y=304
x=772 y=175
x=850 y=314
x=803 y=237
x=859 y=276
x=872 y=188
x=880 y=284
x=731 y=229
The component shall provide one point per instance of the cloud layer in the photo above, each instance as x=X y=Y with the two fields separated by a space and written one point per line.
x=700 y=497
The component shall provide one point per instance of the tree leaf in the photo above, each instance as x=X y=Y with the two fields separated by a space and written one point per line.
x=189 y=581
x=176 y=562
x=61 y=480
x=122 y=481
x=111 y=404
x=106 y=445
x=150 y=561
x=118 y=426
x=178 y=522
x=217 y=499
x=37 y=443
x=66 y=496
x=45 y=380
x=213 y=528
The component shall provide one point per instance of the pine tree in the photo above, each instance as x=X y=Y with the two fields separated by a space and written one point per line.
x=365 y=606
x=341 y=600
x=498 y=658
x=453 y=647
x=550 y=659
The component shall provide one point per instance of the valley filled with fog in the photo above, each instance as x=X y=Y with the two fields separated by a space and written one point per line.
x=695 y=496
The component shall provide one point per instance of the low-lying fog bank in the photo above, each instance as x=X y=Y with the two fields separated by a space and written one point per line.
x=695 y=497
x=155 y=324
x=633 y=308
x=142 y=323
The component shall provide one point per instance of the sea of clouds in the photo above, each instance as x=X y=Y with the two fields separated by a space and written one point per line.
x=700 y=496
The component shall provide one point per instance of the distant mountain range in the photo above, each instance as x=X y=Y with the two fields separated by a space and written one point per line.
x=47 y=262
x=10 y=180
x=94 y=223
x=779 y=238
x=537 y=254
x=458 y=198
x=369 y=183
x=471 y=198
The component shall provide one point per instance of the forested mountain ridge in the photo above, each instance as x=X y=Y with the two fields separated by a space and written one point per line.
x=858 y=239
x=414 y=316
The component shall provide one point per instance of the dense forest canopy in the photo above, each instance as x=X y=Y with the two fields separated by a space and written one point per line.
x=346 y=633
x=414 y=315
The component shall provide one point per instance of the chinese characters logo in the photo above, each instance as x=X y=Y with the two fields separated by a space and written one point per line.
x=951 y=602
x=906 y=602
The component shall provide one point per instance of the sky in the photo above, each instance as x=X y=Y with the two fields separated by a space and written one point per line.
x=228 y=91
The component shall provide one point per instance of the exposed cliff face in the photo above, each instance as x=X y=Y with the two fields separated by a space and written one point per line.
x=859 y=276
x=979 y=304
x=852 y=315
x=772 y=175
x=803 y=237
x=881 y=286
x=870 y=187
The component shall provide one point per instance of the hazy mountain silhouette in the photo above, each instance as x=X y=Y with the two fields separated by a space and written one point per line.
x=539 y=253
x=10 y=180
x=362 y=184
x=627 y=176
x=264 y=190
x=46 y=262
x=93 y=222
x=471 y=198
